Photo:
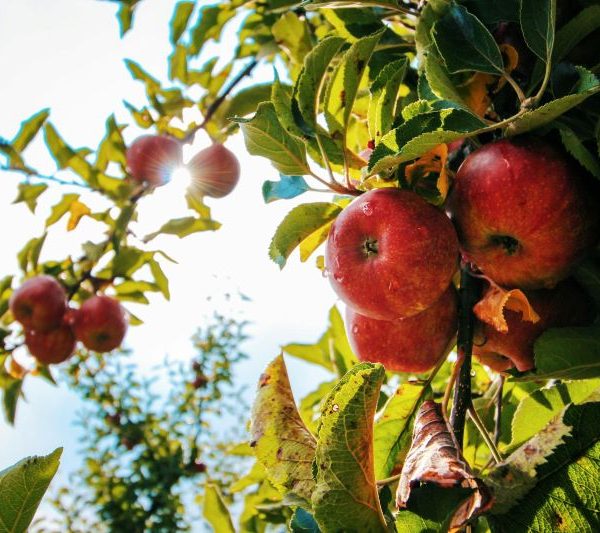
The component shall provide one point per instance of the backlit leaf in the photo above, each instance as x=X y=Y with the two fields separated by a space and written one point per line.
x=346 y=496
x=490 y=309
x=281 y=441
x=179 y=20
x=29 y=193
x=265 y=136
x=182 y=227
x=22 y=487
x=29 y=129
x=77 y=210
x=215 y=511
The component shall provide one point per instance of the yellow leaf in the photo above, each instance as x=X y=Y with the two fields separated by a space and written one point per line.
x=490 y=309
x=313 y=241
x=77 y=211
x=433 y=161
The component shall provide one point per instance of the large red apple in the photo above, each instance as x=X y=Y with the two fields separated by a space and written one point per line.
x=524 y=213
x=215 y=171
x=390 y=254
x=39 y=303
x=51 y=347
x=152 y=158
x=565 y=305
x=101 y=323
x=413 y=344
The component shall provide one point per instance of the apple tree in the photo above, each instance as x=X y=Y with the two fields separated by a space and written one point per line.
x=400 y=112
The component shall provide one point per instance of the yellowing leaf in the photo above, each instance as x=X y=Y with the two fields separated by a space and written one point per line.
x=476 y=92
x=281 y=441
x=215 y=511
x=490 y=309
x=313 y=241
x=433 y=161
x=77 y=210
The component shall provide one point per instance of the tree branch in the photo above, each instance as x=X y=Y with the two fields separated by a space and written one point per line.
x=212 y=108
x=468 y=296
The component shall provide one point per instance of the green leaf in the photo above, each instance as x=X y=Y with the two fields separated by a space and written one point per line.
x=178 y=67
x=29 y=129
x=29 y=193
x=310 y=405
x=265 y=136
x=587 y=86
x=344 y=83
x=127 y=261
x=125 y=16
x=588 y=276
x=209 y=25
x=10 y=397
x=535 y=411
x=179 y=20
x=578 y=150
x=439 y=79
x=345 y=498
x=29 y=255
x=112 y=147
x=422 y=133
x=307 y=92
x=567 y=353
x=564 y=488
x=465 y=44
x=22 y=487
x=138 y=73
x=161 y=280
x=281 y=441
x=246 y=101
x=215 y=511
x=182 y=227
x=574 y=31
x=393 y=428
x=538 y=19
x=61 y=208
x=293 y=35
x=132 y=287
x=286 y=188
x=297 y=225
x=384 y=97
x=65 y=156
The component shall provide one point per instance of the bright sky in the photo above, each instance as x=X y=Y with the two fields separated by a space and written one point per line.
x=67 y=55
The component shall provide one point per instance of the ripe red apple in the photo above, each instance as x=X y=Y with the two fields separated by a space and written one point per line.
x=215 y=171
x=100 y=324
x=413 y=344
x=390 y=254
x=51 y=347
x=565 y=305
x=152 y=158
x=39 y=304
x=524 y=213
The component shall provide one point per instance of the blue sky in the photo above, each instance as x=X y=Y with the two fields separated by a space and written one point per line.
x=67 y=55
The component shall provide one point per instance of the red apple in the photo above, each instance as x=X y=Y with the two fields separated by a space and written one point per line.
x=390 y=254
x=413 y=344
x=565 y=305
x=51 y=347
x=524 y=213
x=39 y=303
x=152 y=158
x=101 y=323
x=215 y=171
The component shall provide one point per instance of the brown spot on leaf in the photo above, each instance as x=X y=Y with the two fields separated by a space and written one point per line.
x=264 y=380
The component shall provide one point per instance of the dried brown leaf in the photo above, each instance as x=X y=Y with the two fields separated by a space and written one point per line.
x=490 y=309
x=435 y=457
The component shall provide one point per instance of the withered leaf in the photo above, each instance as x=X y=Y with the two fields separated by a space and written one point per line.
x=490 y=309
x=281 y=441
x=434 y=457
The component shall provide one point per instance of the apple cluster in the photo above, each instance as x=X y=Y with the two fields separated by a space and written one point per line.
x=214 y=171
x=520 y=214
x=52 y=328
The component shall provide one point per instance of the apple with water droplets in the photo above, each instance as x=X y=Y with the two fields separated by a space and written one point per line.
x=100 y=323
x=412 y=344
x=525 y=214
x=390 y=254
x=152 y=159
x=39 y=303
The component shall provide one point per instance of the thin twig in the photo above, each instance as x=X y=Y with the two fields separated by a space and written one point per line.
x=519 y=92
x=46 y=178
x=212 y=108
x=388 y=480
x=498 y=412
x=484 y=433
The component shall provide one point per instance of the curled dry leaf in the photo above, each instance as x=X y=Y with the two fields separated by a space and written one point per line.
x=490 y=309
x=433 y=161
x=435 y=457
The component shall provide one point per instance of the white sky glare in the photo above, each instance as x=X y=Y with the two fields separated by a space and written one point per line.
x=67 y=55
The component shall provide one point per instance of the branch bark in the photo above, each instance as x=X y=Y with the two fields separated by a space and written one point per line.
x=468 y=296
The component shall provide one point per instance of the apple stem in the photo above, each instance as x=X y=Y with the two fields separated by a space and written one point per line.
x=498 y=412
x=468 y=297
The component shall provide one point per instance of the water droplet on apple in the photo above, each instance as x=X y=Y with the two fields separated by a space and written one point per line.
x=325 y=272
x=355 y=330
x=338 y=278
x=367 y=209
